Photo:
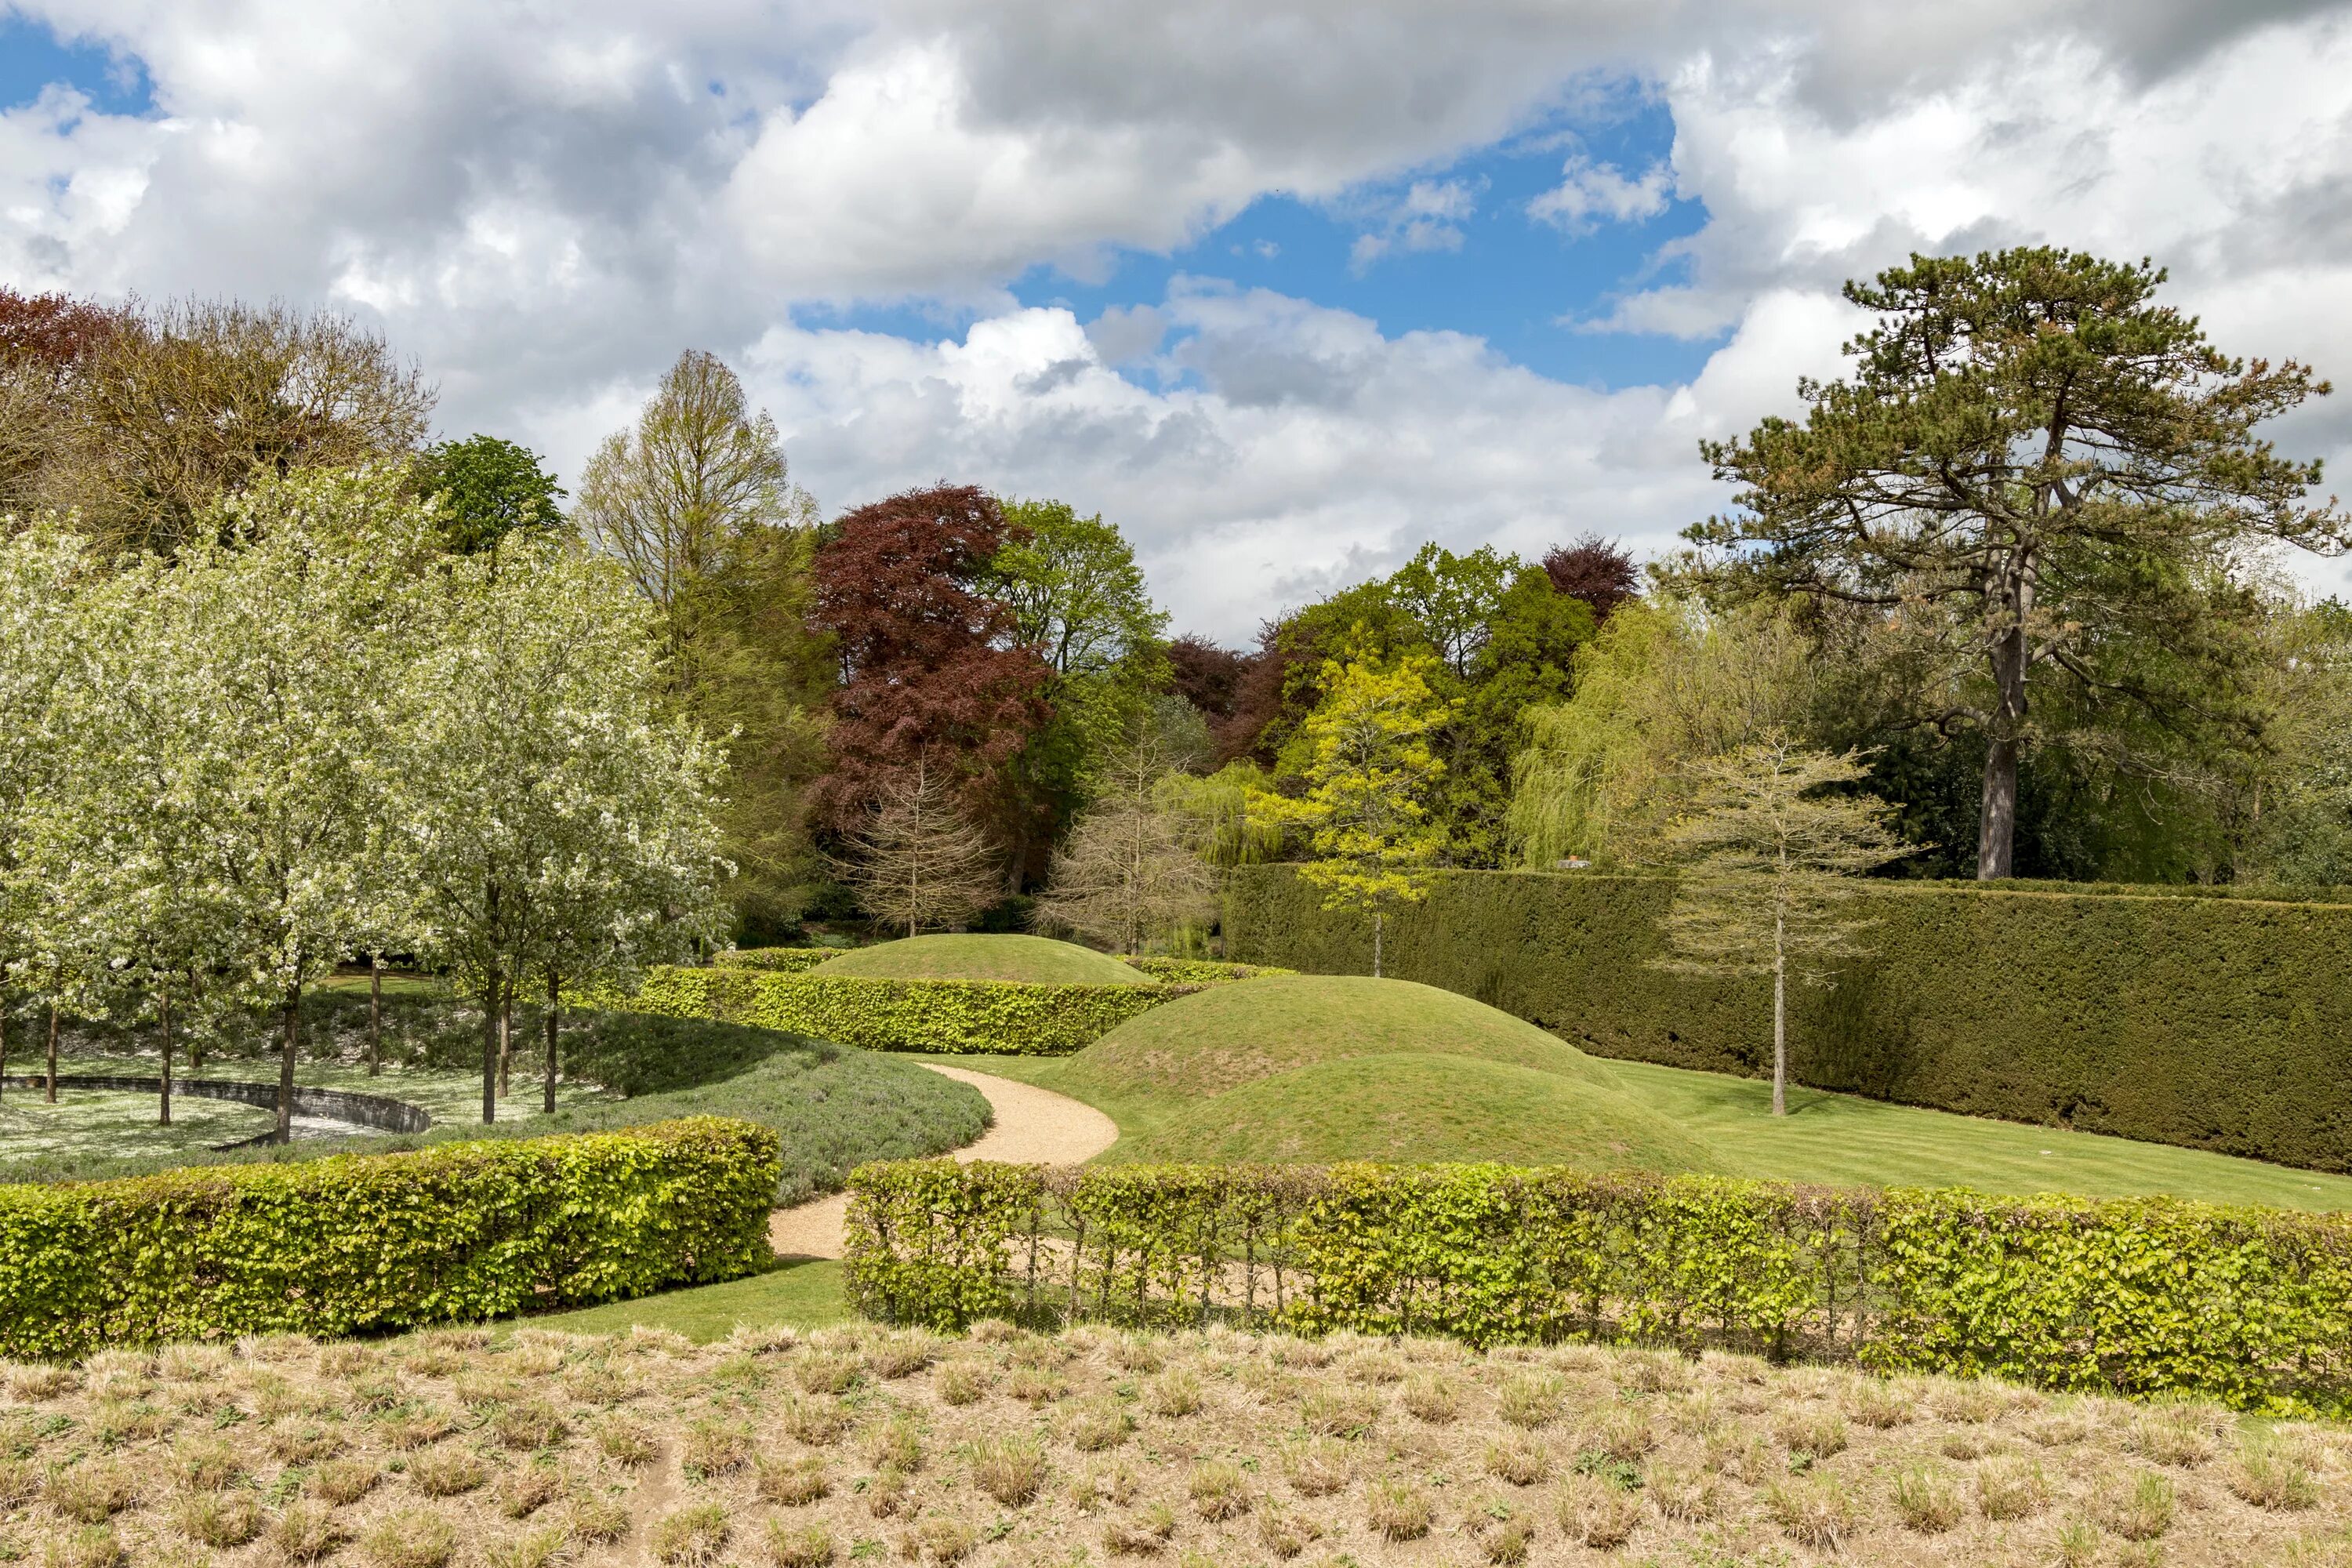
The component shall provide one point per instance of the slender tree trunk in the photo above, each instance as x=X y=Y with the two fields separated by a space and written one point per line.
x=1997 y=824
x=53 y=1052
x=1779 y=1013
x=165 y=1117
x=554 y=1001
x=1375 y=945
x=286 y=1063
x=490 y=1048
x=4 y=1044
x=506 y=1038
x=375 y=1016
x=196 y=1042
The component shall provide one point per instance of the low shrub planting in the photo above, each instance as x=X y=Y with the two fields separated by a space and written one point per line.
x=2208 y=1023
x=1634 y=1462
x=1202 y=971
x=776 y=960
x=942 y=1017
x=2140 y=1297
x=366 y=1243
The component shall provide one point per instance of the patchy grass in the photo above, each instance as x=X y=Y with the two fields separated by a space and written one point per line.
x=772 y=1449
x=87 y=1124
x=805 y=1295
x=1036 y=959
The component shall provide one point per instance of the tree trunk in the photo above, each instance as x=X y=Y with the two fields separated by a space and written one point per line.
x=1375 y=945
x=554 y=1001
x=286 y=1063
x=164 y=1118
x=2010 y=655
x=376 y=1016
x=53 y=1052
x=490 y=1048
x=4 y=1044
x=1780 y=1015
x=506 y=1039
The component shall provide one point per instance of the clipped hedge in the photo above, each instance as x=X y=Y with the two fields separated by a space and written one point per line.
x=953 y=1018
x=1201 y=971
x=363 y=1243
x=2142 y=1297
x=2207 y=1023
x=776 y=960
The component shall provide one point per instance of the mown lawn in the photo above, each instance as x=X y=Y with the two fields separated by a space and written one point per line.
x=1842 y=1140
x=805 y=1295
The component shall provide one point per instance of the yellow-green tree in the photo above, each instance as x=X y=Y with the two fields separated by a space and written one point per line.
x=1370 y=773
x=1766 y=864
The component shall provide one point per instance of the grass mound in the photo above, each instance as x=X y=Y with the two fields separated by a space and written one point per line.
x=1229 y=1036
x=1035 y=960
x=1420 y=1107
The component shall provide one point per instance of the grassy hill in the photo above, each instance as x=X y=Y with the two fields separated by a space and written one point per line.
x=1037 y=960
x=1422 y=1107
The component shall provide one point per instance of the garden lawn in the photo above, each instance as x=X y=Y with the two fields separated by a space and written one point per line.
x=92 y=1124
x=806 y=1295
x=1833 y=1139
x=1033 y=959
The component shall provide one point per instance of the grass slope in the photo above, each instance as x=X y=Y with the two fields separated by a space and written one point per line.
x=862 y=1446
x=1036 y=959
x=1221 y=1039
x=1409 y=1109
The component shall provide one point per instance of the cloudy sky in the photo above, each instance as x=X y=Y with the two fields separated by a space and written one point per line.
x=1282 y=287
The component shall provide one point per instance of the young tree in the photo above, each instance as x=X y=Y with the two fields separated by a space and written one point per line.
x=1766 y=864
x=2035 y=477
x=1371 y=775
x=487 y=489
x=695 y=502
x=1129 y=870
x=914 y=859
x=553 y=821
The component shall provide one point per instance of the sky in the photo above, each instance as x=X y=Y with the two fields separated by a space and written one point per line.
x=1284 y=288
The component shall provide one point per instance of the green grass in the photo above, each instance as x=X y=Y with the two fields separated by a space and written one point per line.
x=1035 y=960
x=1410 y=1108
x=803 y=1295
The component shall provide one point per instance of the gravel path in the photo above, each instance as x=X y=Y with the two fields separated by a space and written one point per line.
x=1031 y=1126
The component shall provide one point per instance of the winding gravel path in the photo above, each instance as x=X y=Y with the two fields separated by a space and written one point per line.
x=1029 y=1126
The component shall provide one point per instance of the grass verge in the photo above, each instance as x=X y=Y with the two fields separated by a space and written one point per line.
x=1032 y=960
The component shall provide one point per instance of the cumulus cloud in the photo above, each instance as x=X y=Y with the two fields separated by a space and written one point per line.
x=1590 y=194
x=1428 y=217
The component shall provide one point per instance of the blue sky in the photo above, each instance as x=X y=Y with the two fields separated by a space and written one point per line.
x=1330 y=212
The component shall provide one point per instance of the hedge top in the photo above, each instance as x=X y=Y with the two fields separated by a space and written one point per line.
x=1410 y=1109
x=1029 y=960
x=1228 y=1035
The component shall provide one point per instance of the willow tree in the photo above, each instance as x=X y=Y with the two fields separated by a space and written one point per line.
x=2035 y=473
x=1768 y=860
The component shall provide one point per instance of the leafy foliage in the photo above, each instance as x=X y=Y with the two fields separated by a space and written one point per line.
x=2142 y=1297
x=487 y=488
x=347 y=1245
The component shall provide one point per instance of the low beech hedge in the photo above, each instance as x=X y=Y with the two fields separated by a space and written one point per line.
x=362 y=1243
x=776 y=960
x=2203 y=1022
x=950 y=1016
x=2252 y=1307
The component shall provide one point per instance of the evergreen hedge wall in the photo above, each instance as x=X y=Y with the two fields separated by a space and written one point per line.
x=954 y=1017
x=358 y=1244
x=2221 y=1023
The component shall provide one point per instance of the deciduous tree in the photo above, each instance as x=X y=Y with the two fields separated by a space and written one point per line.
x=487 y=489
x=1767 y=860
x=1130 y=871
x=914 y=857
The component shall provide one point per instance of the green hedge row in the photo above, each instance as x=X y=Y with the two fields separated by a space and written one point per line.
x=948 y=1016
x=1200 y=971
x=776 y=960
x=2252 y=1307
x=363 y=1243
x=2206 y=1023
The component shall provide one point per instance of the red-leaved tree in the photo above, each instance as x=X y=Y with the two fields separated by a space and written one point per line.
x=1595 y=570
x=929 y=666
x=55 y=331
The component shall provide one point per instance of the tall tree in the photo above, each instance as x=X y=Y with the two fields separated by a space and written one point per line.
x=554 y=821
x=695 y=502
x=487 y=487
x=1130 y=871
x=933 y=672
x=914 y=857
x=1206 y=676
x=2037 y=475
x=1767 y=862
x=1595 y=570
x=1371 y=775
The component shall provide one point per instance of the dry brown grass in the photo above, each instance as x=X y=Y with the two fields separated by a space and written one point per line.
x=448 y=1450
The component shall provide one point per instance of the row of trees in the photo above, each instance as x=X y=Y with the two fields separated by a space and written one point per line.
x=316 y=732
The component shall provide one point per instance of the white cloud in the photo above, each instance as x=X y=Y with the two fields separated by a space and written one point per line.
x=1428 y=217
x=1589 y=193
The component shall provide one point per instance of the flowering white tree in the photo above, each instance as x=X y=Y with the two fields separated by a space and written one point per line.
x=554 y=823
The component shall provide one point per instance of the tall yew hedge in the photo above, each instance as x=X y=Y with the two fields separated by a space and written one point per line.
x=2208 y=1023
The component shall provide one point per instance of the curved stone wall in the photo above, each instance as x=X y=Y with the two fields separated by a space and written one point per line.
x=379 y=1112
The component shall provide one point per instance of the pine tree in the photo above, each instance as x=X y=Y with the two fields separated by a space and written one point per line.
x=1766 y=865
